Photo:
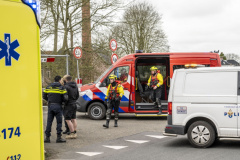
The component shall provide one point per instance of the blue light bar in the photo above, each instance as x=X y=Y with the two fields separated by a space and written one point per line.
x=35 y=6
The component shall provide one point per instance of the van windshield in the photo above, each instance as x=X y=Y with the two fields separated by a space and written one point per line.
x=104 y=73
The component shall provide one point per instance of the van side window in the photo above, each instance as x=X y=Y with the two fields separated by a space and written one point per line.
x=211 y=83
x=121 y=73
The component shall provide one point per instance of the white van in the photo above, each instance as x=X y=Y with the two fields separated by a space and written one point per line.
x=203 y=103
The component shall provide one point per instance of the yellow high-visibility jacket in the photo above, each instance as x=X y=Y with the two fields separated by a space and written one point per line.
x=119 y=90
x=159 y=78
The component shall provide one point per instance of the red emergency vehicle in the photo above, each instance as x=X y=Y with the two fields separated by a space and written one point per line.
x=137 y=68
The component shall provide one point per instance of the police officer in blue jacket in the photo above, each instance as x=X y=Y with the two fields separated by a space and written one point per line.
x=56 y=95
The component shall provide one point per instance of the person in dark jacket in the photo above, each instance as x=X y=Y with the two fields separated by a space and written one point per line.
x=63 y=83
x=55 y=94
x=70 y=107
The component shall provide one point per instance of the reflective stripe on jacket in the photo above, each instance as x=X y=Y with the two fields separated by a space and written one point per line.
x=119 y=90
x=55 y=93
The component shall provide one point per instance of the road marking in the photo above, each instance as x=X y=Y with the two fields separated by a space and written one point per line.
x=115 y=147
x=155 y=136
x=90 y=153
x=137 y=141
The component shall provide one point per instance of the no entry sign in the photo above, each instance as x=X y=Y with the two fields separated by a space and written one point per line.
x=77 y=52
x=114 y=58
x=113 y=45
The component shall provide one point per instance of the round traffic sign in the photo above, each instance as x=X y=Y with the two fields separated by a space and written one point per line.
x=113 y=45
x=77 y=52
x=114 y=58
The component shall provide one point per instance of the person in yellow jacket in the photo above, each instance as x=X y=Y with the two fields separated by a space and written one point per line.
x=112 y=100
x=155 y=82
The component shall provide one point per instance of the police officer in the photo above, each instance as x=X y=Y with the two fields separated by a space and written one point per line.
x=155 y=82
x=114 y=95
x=55 y=94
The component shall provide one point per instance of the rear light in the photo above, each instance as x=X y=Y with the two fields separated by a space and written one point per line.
x=169 y=108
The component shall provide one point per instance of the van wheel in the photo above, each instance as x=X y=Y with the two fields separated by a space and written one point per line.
x=96 y=111
x=201 y=134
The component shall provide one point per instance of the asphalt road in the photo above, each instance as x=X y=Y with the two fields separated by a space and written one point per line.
x=91 y=132
x=135 y=138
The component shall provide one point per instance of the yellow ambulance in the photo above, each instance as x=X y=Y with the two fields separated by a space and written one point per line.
x=21 y=128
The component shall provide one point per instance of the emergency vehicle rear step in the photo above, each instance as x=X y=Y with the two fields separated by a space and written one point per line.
x=149 y=106
x=151 y=115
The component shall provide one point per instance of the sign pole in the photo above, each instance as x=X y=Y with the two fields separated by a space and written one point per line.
x=67 y=64
x=77 y=70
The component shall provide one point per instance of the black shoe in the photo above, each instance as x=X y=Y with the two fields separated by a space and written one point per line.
x=60 y=140
x=107 y=124
x=47 y=140
x=66 y=132
x=115 y=125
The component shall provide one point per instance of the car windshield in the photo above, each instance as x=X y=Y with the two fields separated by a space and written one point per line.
x=104 y=73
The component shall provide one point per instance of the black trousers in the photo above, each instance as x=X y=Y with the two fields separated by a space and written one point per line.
x=66 y=126
x=156 y=95
x=112 y=104
x=54 y=110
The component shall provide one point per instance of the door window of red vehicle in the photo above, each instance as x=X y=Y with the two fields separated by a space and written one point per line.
x=121 y=73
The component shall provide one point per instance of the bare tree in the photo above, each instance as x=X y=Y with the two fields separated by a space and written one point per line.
x=140 y=29
x=62 y=25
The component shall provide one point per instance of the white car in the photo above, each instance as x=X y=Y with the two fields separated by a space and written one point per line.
x=203 y=103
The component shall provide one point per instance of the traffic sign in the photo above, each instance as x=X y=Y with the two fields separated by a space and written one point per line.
x=113 y=45
x=77 y=52
x=114 y=58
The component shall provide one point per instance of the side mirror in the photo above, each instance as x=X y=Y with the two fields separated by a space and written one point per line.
x=104 y=83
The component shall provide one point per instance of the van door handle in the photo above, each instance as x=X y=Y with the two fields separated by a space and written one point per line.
x=125 y=88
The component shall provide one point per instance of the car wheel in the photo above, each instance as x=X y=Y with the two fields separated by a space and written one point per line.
x=96 y=111
x=201 y=134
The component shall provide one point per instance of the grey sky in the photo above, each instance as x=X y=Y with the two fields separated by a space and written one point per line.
x=201 y=25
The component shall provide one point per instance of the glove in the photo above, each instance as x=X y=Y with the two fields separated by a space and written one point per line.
x=105 y=102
